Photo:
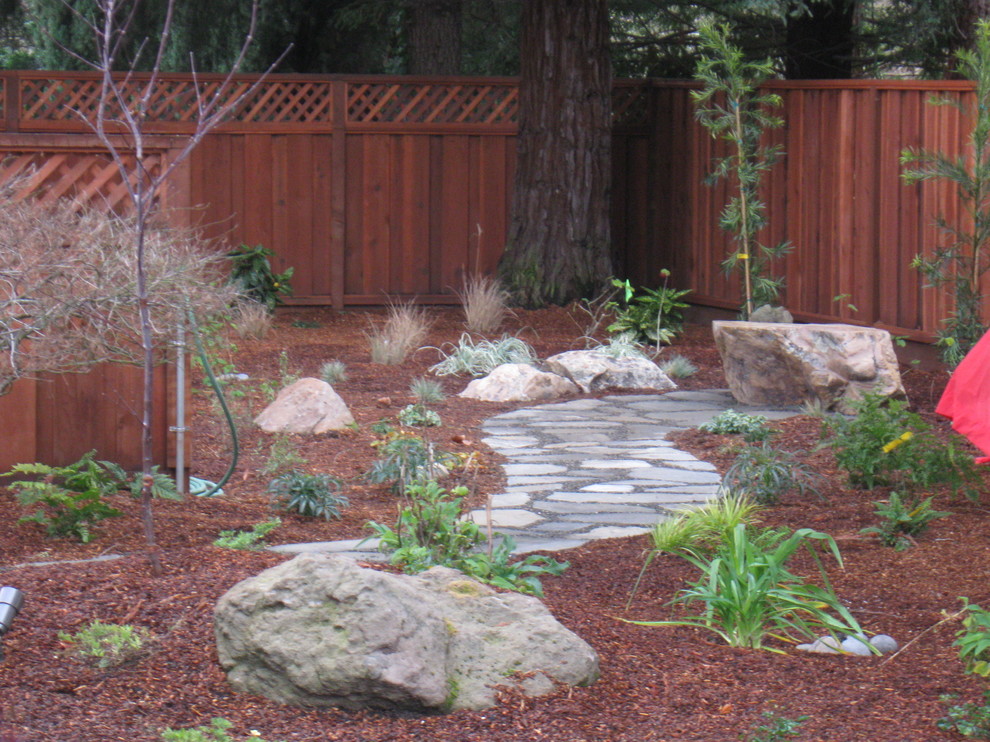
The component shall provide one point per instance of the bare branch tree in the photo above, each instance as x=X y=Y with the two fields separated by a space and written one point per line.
x=119 y=120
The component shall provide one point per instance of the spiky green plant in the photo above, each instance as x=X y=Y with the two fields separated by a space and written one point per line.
x=731 y=107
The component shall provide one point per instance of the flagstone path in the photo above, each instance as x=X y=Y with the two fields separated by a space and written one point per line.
x=590 y=468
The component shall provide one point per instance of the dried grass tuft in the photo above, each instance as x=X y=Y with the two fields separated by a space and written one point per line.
x=252 y=320
x=404 y=330
x=485 y=303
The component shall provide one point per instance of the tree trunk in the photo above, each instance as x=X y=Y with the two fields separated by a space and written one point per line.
x=820 y=42
x=435 y=37
x=558 y=247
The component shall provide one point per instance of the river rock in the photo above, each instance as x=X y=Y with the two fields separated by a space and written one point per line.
x=785 y=364
x=595 y=371
x=322 y=631
x=519 y=382
x=308 y=406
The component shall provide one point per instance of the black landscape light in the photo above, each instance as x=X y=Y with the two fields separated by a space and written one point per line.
x=11 y=600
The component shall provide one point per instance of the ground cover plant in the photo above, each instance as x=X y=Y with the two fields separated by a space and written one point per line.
x=674 y=684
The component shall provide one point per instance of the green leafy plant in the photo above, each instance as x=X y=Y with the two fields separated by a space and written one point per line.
x=407 y=459
x=777 y=728
x=251 y=272
x=973 y=639
x=333 y=372
x=731 y=107
x=283 y=456
x=69 y=499
x=403 y=331
x=419 y=416
x=969 y=719
x=765 y=473
x=749 y=595
x=108 y=645
x=426 y=391
x=432 y=531
x=962 y=262
x=247 y=540
x=312 y=495
x=478 y=358
x=654 y=314
x=886 y=444
x=215 y=732
x=753 y=428
x=901 y=521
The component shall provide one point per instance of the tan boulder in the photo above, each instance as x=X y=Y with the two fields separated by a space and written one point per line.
x=778 y=364
x=309 y=406
x=519 y=382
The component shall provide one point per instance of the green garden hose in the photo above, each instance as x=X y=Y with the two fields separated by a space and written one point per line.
x=223 y=405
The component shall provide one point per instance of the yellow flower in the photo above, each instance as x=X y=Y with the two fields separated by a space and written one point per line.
x=903 y=438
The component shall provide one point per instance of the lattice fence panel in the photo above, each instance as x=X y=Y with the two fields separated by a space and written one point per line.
x=631 y=106
x=89 y=178
x=177 y=101
x=432 y=104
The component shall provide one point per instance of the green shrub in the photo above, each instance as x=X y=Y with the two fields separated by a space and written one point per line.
x=969 y=719
x=431 y=531
x=215 y=732
x=886 y=444
x=69 y=498
x=900 y=521
x=765 y=473
x=333 y=372
x=753 y=428
x=479 y=358
x=251 y=272
x=107 y=645
x=655 y=315
x=311 y=495
x=419 y=416
x=777 y=728
x=407 y=459
x=248 y=540
x=748 y=594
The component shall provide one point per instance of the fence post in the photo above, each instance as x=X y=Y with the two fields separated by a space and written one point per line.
x=12 y=100
x=338 y=192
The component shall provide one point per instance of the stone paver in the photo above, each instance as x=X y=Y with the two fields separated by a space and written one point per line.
x=593 y=468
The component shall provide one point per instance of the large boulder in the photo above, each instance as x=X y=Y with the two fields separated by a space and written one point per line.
x=595 y=371
x=519 y=382
x=784 y=364
x=320 y=630
x=306 y=406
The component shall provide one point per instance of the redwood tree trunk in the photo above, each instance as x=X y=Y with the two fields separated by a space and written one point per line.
x=435 y=37
x=558 y=247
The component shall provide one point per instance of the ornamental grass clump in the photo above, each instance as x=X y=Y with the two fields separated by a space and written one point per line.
x=479 y=358
x=403 y=331
x=485 y=302
x=748 y=595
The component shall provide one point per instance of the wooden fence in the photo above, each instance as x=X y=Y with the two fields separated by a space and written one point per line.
x=389 y=188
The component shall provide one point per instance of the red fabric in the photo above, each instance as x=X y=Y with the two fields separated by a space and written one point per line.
x=966 y=400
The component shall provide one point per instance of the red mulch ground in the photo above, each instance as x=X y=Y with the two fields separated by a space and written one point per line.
x=656 y=683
